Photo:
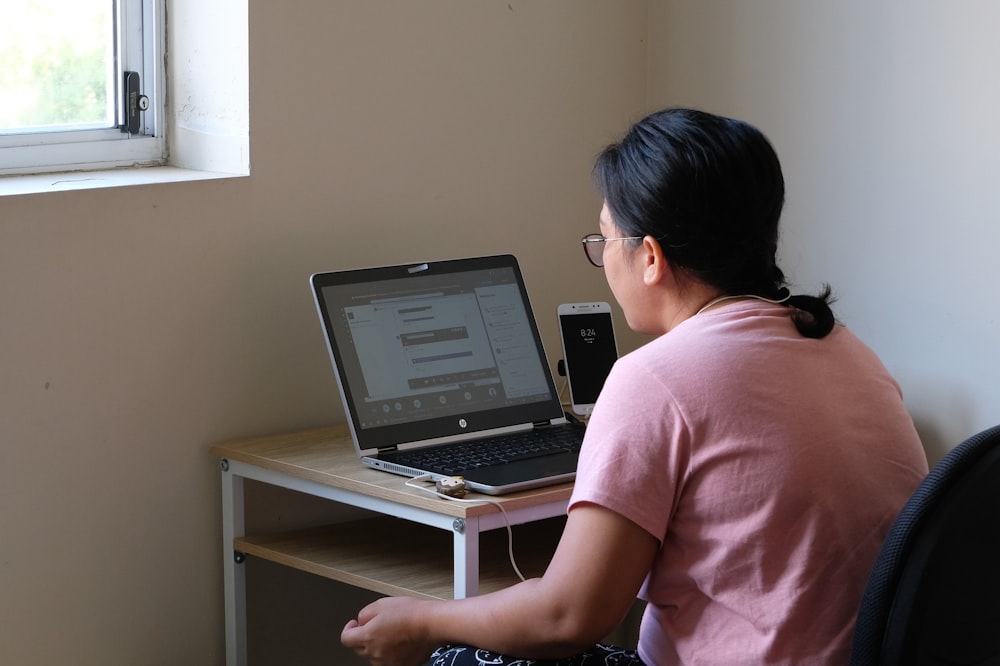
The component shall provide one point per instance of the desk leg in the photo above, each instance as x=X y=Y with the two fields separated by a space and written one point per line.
x=234 y=574
x=466 y=557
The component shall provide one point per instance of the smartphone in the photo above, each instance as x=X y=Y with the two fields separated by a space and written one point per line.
x=589 y=351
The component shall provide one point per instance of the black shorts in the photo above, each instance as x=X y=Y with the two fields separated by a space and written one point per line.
x=599 y=655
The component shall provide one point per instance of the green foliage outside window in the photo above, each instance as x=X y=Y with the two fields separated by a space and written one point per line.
x=55 y=58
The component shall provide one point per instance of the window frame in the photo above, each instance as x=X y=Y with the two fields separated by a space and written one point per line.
x=140 y=34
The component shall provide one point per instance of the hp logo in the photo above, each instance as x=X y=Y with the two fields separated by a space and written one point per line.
x=462 y=423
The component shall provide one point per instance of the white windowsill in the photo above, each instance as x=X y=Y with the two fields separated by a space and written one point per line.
x=85 y=180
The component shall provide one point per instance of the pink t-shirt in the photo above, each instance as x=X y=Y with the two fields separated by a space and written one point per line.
x=769 y=466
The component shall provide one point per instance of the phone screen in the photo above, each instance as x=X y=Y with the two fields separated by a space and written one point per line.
x=590 y=351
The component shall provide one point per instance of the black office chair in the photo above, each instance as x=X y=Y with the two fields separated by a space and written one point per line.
x=933 y=596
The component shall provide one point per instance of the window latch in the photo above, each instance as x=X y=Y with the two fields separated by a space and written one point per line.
x=134 y=102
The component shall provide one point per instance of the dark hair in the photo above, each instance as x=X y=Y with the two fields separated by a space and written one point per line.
x=710 y=190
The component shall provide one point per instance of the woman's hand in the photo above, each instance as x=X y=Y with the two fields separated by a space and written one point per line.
x=388 y=633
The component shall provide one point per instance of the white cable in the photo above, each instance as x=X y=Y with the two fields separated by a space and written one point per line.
x=506 y=519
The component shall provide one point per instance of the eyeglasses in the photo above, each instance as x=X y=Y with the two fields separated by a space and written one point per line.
x=593 y=247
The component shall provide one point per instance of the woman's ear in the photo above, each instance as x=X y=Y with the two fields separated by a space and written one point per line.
x=655 y=267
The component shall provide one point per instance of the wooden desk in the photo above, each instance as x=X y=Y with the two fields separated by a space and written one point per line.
x=414 y=544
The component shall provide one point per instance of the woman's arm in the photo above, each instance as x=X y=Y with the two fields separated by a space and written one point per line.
x=589 y=586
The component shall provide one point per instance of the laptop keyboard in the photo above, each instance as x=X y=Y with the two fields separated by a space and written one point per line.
x=461 y=456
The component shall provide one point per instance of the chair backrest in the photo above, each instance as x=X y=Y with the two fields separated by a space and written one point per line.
x=933 y=596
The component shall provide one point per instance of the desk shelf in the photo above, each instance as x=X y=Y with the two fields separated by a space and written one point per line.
x=397 y=557
x=407 y=548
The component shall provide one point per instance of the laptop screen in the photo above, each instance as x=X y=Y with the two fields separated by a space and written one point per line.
x=431 y=350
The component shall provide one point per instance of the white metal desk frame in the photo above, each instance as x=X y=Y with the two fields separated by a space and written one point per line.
x=466 y=536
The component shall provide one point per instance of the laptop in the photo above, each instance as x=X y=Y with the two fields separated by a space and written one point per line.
x=443 y=359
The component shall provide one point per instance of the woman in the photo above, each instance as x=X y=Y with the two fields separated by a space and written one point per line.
x=738 y=473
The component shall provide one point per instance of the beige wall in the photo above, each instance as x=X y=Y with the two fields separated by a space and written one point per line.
x=138 y=325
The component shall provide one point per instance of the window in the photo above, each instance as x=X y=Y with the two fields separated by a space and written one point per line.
x=81 y=84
